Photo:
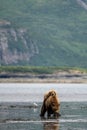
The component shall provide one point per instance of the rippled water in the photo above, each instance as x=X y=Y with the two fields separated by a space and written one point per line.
x=24 y=116
x=18 y=109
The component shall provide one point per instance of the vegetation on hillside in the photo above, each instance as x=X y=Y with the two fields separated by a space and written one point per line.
x=38 y=69
x=57 y=27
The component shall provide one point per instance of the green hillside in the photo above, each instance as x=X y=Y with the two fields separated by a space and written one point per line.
x=56 y=28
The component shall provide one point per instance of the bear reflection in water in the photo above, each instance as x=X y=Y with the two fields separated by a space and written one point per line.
x=51 y=126
x=51 y=105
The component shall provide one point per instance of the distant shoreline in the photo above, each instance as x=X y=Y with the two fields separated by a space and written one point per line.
x=29 y=74
x=61 y=77
x=42 y=81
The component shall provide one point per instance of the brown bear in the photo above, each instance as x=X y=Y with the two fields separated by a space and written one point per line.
x=51 y=104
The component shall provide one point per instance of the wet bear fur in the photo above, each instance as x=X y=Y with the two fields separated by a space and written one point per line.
x=51 y=105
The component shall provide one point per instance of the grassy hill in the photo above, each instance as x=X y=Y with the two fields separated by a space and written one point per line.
x=56 y=28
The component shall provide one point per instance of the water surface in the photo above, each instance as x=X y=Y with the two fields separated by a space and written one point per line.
x=23 y=116
x=20 y=106
x=35 y=92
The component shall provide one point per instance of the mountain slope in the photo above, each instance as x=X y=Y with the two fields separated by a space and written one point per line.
x=48 y=33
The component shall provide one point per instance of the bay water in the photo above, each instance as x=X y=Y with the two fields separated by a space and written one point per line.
x=20 y=106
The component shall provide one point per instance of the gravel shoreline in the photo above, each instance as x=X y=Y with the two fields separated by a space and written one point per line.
x=44 y=78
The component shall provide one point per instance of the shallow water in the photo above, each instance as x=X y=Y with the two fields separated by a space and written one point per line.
x=23 y=116
x=20 y=107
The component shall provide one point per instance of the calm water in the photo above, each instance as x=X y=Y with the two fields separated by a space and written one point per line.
x=18 y=112
x=35 y=92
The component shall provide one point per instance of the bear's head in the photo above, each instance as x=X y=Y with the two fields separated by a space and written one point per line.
x=49 y=93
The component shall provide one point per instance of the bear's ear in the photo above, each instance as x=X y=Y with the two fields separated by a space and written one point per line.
x=50 y=93
x=54 y=93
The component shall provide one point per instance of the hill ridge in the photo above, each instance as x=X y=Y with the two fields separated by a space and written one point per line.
x=43 y=33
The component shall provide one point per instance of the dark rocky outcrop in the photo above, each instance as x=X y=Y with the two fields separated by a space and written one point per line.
x=15 y=44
